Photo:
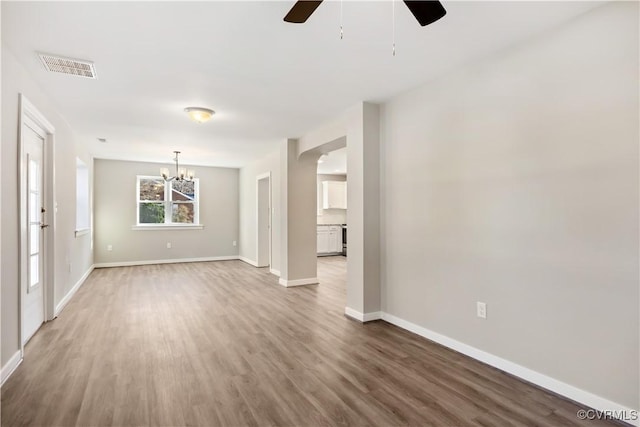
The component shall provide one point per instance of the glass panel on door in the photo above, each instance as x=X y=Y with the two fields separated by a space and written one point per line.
x=34 y=269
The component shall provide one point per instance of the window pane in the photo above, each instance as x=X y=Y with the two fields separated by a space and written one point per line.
x=182 y=212
x=183 y=191
x=34 y=246
x=151 y=213
x=151 y=189
x=34 y=175
x=33 y=271
x=82 y=195
x=34 y=207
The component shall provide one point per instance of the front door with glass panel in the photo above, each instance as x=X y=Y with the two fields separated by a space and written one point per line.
x=33 y=141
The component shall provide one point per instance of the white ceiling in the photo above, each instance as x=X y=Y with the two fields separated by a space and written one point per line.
x=333 y=163
x=267 y=79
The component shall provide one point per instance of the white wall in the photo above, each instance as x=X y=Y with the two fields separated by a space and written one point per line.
x=330 y=216
x=115 y=214
x=73 y=256
x=248 y=174
x=515 y=182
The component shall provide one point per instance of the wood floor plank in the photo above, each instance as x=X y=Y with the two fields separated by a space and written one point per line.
x=222 y=344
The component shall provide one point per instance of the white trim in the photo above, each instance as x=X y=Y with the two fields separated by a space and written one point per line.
x=298 y=282
x=83 y=191
x=29 y=113
x=65 y=300
x=35 y=114
x=541 y=380
x=82 y=232
x=248 y=261
x=374 y=315
x=165 y=261
x=267 y=176
x=10 y=367
x=362 y=317
x=354 y=314
x=274 y=272
x=167 y=203
x=168 y=227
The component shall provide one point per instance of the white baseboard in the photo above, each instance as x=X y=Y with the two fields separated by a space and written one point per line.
x=255 y=264
x=298 y=282
x=354 y=314
x=248 y=261
x=64 y=301
x=362 y=317
x=374 y=315
x=10 y=367
x=544 y=381
x=165 y=261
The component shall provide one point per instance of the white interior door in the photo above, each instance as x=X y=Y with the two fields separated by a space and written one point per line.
x=33 y=141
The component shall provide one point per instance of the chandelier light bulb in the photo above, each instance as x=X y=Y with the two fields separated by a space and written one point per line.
x=181 y=172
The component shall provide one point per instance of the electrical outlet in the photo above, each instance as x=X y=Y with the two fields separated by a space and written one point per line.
x=481 y=309
x=235 y=243
x=168 y=245
x=109 y=248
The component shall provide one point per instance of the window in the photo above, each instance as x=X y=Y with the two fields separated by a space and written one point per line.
x=82 y=197
x=167 y=203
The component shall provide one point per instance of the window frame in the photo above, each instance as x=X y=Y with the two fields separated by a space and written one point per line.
x=167 y=203
x=83 y=204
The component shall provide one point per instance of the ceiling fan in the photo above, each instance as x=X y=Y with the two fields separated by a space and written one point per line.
x=425 y=11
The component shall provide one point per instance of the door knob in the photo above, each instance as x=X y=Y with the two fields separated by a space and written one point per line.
x=43 y=225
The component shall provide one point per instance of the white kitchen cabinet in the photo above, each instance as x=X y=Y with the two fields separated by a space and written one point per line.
x=333 y=241
x=329 y=239
x=323 y=240
x=334 y=194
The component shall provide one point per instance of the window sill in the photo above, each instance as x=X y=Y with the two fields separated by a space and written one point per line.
x=168 y=227
x=82 y=232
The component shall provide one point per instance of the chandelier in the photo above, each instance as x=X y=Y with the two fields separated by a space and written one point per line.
x=182 y=174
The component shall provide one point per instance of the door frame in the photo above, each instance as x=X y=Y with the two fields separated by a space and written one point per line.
x=266 y=175
x=28 y=110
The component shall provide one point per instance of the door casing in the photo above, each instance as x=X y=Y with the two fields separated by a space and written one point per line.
x=259 y=260
x=27 y=109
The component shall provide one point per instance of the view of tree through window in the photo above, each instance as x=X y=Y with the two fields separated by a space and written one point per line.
x=182 y=201
x=166 y=203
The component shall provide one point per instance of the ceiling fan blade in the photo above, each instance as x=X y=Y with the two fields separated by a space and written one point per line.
x=425 y=11
x=301 y=11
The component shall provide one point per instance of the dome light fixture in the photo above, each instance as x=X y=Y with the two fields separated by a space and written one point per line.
x=199 y=114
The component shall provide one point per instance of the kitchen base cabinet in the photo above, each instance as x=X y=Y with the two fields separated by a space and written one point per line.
x=329 y=241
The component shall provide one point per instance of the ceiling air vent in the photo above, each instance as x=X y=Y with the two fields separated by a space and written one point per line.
x=74 y=67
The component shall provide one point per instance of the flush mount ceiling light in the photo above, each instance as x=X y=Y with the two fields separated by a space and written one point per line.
x=199 y=114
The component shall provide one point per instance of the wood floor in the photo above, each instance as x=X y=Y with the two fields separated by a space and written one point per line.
x=221 y=343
